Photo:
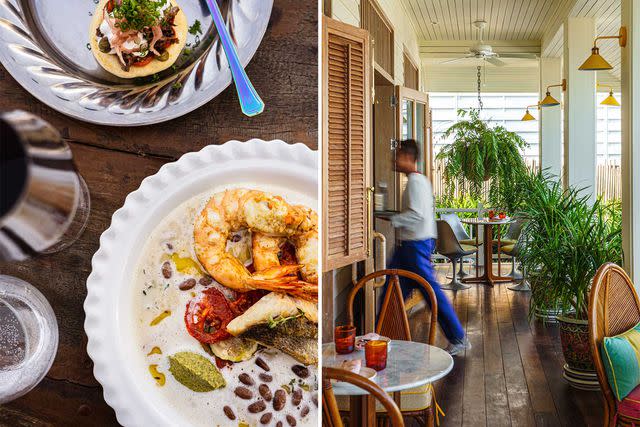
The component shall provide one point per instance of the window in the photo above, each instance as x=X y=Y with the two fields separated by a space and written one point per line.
x=609 y=131
x=504 y=109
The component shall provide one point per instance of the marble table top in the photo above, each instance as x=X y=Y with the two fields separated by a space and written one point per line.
x=409 y=364
x=487 y=221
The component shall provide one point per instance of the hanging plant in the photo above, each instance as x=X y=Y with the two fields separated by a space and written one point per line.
x=480 y=153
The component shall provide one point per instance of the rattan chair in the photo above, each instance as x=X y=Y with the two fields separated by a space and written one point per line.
x=331 y=414
x=394 y=324
x=449 y=246
x=613 y=308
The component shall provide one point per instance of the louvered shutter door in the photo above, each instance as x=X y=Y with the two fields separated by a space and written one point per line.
x=346 y=133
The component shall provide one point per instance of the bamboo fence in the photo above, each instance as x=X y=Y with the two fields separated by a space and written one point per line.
x=608 y=179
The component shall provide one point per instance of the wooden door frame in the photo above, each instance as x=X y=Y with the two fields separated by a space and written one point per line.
x=416 y=96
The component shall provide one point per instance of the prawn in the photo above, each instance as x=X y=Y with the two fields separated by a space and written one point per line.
x=260 y=212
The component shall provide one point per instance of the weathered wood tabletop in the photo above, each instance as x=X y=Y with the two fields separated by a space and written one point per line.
x=114 y=161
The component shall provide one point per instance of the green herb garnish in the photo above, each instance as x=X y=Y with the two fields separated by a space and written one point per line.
x=196 y=28
x=138 y=14
x=177 y=85
x=276 y=321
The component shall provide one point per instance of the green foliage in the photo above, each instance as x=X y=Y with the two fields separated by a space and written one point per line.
x=480 y=152
x=567 y=237
x=137 y=14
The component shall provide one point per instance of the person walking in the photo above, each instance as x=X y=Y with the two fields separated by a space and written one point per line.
x=416 y=231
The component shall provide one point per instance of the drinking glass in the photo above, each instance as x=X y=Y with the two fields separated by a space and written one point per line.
x=44 y=202
x=345 y=339
x=28 y=337
x=375 y=354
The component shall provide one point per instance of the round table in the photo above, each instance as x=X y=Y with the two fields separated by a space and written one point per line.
x=409 y=364
x=487 y=276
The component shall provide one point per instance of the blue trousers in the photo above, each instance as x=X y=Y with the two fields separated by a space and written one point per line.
x=415 y=256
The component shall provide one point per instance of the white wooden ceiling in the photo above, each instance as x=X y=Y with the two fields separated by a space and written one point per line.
x=536 y=22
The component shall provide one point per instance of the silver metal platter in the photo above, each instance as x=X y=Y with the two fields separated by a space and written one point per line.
x=44 y=45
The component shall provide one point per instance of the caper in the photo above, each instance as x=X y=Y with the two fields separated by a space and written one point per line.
x=164 y=56
x=104 y=45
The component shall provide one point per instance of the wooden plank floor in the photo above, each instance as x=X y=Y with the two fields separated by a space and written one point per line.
x=512 y=375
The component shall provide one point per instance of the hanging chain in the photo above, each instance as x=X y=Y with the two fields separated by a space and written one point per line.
x=479 y=86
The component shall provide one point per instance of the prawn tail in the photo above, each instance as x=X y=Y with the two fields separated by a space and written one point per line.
x=278 y=273
x=295 y=288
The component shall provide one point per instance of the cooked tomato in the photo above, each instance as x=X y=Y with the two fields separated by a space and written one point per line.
x=110 y=5
x=221 y=363
x=246 y=300
x=144 y=61
x=208 y=315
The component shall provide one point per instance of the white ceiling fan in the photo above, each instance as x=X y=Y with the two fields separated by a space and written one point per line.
x=485 y=52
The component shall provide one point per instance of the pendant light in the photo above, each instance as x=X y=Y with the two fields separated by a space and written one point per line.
x=609 y=100
x=595 y=61
x=550 y=101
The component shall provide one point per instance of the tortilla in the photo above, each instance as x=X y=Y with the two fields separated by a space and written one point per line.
x=112 y=64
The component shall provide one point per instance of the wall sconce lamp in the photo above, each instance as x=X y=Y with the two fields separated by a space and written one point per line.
x=527 y=115
x=550 y=101
x=609 y=100
x=597 y=62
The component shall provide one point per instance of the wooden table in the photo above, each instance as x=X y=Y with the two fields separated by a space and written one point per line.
x=487 y=276
x=114 y=161
x=410 y=364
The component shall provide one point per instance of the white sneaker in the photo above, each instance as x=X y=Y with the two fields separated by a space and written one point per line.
x=455 y=349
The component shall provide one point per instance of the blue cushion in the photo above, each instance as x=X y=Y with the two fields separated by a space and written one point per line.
x=621 y=359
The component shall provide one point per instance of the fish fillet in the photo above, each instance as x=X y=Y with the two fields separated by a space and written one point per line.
x=272 y=306
x=297 y=337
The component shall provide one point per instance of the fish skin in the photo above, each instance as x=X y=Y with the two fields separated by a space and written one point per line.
x=272 y=306
x=297 y=337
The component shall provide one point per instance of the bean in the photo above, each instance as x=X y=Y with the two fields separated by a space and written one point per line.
x=304 y=412
x=229 y=413
x=246 y=379
x=236 y=238
x=265 y=377
x=314 y=399
x=292 y=421
x=279 y=399
x=300 y=371
x=279 y=424
x=205 y=281
x=257 y=406
x=167 y=272
x=266 y=418
x=296 y=397
x=265 y=392
x=260 y=362
x=187 y=284
x=243 y=393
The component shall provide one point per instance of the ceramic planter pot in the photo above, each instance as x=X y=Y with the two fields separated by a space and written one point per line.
x=579 y=369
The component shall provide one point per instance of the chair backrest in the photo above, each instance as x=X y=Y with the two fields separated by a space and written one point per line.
x=392 y=319
x=613 y=308
x=515 y=229
x=456 y=225
x=330 y=411
x=447 y=243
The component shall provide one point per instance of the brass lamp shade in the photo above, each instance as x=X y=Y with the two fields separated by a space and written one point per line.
x=610 y=100
x=595 y=62
x=527 y=116
x=549 y=101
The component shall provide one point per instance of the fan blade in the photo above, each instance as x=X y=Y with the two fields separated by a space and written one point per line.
x=449 y=61
x=495 y=61
x=519 y=55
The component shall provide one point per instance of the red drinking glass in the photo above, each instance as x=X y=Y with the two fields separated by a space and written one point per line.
x=345 y=339
x=375 y=354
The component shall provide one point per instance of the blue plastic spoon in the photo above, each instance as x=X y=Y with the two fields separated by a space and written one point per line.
x=250 y=102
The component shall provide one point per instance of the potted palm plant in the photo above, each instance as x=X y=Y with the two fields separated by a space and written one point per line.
x=480 y=152
x=567 y=238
